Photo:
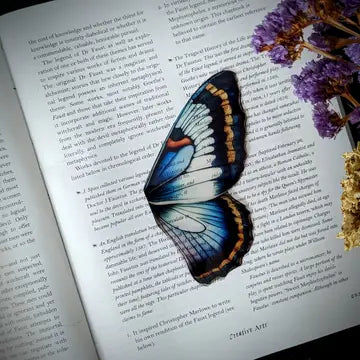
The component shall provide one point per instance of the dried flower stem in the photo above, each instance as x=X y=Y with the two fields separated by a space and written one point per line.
x=349 y=97
x=330 y=21
x=349 y=21
x=340 y=43
x=317 y=50
x=326 y=54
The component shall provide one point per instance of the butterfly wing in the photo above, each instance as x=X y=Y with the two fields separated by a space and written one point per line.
x=213 y=236
x=203 y=156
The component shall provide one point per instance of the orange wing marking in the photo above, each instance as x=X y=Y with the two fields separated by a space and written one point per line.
x=237 y=247
x=225 y=104
x=177 y=144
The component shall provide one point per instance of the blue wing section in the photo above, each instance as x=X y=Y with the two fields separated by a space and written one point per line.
x=213 y=236
x=208 y=139
x=173 y=164
x=200 y=160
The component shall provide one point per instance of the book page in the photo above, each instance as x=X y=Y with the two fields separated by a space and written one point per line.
x=41 y=316
x=101 y=85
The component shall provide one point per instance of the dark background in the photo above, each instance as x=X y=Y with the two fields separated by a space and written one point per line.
x=339 y=345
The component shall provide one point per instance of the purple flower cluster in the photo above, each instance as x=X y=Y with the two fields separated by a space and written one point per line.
x=318 y=82
x=281 y=34
x=350 y=6
x=321 y=80
x=276 y=33
x=320 y=41
x=327 y=122
x=319 y=37
x=355 y=116
x=353 y=52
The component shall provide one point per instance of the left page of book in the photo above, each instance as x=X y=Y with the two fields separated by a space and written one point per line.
x=41 y=316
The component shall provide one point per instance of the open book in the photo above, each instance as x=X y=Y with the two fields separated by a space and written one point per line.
x=85 y=272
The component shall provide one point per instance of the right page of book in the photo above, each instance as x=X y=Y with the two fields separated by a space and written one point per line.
x=101 y=84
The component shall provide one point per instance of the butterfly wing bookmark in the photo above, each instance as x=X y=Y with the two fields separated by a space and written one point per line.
x=200 y=160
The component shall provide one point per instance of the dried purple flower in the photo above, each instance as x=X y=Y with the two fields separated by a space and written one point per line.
x=334 y=12
x=327 y=122
x=350 y=7
x=323 y=79
x=325 y=8
x=320 y=41
x=281 y=32
x=353 y=52
x=279 y=55
x=290 y=9
x=320 y=36
x=322 y=28
x=355 y=116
